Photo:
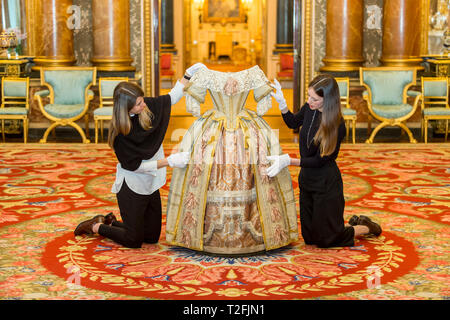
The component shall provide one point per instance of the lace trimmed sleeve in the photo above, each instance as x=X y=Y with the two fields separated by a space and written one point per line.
x=195 y=95
x=263 y=98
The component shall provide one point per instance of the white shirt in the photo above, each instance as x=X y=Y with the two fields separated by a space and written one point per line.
x=147 y=178
x=139 y=182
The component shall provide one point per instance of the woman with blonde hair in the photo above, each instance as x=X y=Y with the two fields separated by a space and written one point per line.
x=321 y=189
x=136 y=134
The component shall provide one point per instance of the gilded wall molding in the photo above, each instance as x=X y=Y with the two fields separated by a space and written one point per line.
x=146 y=42
x=307 y=67
x=424 y=27
x=31 y=9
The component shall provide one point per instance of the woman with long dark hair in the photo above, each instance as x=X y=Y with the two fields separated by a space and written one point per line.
x=136 y=134
x=321 y=189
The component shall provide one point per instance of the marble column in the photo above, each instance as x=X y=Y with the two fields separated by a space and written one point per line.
x=285 y=26
x=111 y=33
x=1 y=16
x=167 y=42
x=401 y=33
x=54 y=37
x=344 y=37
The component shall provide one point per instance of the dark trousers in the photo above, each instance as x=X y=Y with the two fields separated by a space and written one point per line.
x=322 y=207
x=141 y=219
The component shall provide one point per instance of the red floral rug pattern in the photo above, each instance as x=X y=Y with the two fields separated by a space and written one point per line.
x=46 y=190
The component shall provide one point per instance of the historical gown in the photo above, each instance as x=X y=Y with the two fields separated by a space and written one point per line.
x=223 y=202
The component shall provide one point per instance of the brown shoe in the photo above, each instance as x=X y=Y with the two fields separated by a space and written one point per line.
x=353 y=221
x=110 y=218
x=374 y=228
x=85 y=227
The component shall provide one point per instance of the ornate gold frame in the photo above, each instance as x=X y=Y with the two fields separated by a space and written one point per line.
x=222 y=20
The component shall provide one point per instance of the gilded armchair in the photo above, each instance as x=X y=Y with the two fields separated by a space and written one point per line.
x=165 y=68
x=104 y=112
x=69 y=94
x=15 y=103
x=434 y=104
x=286 y=67
x=348 y=113
x=386 y=97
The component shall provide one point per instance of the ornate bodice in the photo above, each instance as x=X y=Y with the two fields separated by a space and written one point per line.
x=229 y=92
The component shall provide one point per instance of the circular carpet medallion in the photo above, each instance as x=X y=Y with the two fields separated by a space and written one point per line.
x=41 y=259
x=100 y=187
x=166 y=272
x=355 y=187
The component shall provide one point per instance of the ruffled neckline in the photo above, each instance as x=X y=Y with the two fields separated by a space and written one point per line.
x=230 y=82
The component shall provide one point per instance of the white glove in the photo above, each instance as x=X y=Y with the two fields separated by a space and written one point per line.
x=279 y=163
x=178 y=160
x=278 y=95
x=176 y=93
x=193 y=69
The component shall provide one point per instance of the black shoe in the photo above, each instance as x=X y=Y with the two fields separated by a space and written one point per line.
x=110 y=218
x=353 y=221
x=85 y=227
x=374 y=228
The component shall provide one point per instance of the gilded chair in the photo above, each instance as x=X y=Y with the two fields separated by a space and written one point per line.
x=165 y=68
x=386 y=96
x=239 y=55
x=348 y=113
x=434 y=104
x=224 y=45
x=286 y=67
x=106 y=88
x=69 y=93
x=15 y=103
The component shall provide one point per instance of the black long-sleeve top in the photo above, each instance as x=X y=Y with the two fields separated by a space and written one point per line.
x=309 y=121
x=140 y=144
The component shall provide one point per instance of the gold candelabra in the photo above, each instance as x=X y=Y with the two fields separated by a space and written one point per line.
x=8 y=40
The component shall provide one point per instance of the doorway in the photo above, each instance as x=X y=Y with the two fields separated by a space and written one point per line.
x=251 y=42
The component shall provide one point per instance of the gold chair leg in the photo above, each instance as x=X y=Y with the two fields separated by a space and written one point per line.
x=406 y=129
x=25 y=130
x=446 y=129
x=47 y=132
x=347 y=124
x=426 y=130
x=96 y=130
x=421 y=129
x=354 y=130
x=86 y=124
x=375 y=131
x=101 y=126
x=80 y=131
x=3 y=130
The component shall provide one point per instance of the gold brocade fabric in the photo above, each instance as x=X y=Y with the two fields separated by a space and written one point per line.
x=223 y=202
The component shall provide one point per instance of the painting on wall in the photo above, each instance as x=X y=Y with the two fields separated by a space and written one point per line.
x=223 y=11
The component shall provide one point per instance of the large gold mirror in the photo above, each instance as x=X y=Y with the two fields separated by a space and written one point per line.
x=13 y=27
x=435 y=23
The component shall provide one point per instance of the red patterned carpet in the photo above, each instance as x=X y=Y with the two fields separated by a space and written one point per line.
x=46 y=190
